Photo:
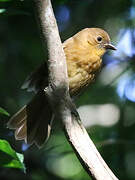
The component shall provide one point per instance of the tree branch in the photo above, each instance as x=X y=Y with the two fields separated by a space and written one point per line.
x=59 y=97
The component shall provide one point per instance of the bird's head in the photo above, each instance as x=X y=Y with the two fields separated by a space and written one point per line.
x=97 y=40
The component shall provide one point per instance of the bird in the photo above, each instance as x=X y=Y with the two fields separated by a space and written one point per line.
x=83 y=52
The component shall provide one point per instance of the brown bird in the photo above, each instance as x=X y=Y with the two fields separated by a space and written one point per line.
x=83 y=56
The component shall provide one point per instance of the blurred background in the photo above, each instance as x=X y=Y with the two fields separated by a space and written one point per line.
x=107 y=108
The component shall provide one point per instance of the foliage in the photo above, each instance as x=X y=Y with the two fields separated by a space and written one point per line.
x=10 y=158
x=3 y=111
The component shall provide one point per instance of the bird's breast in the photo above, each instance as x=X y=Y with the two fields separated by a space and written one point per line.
x=82 y=74
x=82 y=65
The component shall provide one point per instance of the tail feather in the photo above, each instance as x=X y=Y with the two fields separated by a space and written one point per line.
x=43 y=132
x=17 y=119
x=37 y=80
x=33 y=122
x=20 y=132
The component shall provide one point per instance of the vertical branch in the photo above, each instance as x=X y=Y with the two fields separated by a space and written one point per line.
x=50 y=34
x=59 y=98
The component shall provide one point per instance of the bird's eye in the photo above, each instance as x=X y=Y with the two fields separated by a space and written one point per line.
x=99 y=38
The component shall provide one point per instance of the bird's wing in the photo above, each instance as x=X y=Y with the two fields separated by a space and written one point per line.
x=37 y=80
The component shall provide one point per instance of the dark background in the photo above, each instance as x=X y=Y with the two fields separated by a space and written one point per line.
x=107 y=107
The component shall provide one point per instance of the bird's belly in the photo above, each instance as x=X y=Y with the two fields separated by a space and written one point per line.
x=79 y=81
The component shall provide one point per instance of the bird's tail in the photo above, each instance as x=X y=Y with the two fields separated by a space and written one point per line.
x=33 y=122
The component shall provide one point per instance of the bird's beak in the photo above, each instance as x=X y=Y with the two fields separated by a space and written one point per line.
x=110 y=46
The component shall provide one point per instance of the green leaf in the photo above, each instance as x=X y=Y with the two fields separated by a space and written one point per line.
x=3 y=111
x=9 y=157
x=20 y=156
